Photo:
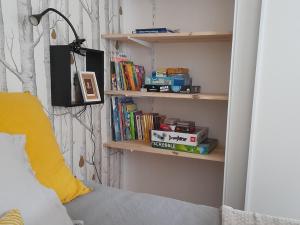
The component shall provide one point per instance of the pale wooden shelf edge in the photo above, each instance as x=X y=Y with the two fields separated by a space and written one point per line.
x=217 y=155
x=215 y=97
x=172 y=37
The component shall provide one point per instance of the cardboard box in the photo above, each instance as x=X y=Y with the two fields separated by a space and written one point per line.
x=175 y=70
x=180 y=138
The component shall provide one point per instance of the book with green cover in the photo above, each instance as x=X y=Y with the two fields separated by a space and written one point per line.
x=132 y=128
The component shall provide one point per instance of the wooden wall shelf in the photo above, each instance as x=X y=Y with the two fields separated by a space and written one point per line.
x=140 y=94
x=217 y=155
x=172 y=37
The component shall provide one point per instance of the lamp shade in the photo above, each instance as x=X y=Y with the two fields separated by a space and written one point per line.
x=76 y=44
x=35 y=19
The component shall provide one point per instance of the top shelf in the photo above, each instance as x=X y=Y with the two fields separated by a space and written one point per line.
x=171 y=37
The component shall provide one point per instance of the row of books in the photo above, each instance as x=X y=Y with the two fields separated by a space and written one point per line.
x=129 y=123
x=125 y=75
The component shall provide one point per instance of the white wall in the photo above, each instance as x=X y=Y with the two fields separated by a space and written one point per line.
x=274 y=170
x=185 y=179
x=243 y=65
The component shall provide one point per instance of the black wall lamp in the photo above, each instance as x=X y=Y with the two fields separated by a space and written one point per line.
x=62 y=79
x=76 y=44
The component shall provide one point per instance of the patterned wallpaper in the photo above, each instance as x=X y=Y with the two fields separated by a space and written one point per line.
x=25 y=66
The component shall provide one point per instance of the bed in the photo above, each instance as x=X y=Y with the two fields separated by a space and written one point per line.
x=110 y=206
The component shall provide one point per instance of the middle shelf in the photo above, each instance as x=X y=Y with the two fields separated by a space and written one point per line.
x=211 y=97
x=216 y=155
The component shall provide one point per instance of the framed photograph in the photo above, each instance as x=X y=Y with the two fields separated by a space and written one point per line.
x=89 y=86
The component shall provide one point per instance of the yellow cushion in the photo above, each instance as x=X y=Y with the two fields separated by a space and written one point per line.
x=12 y=217
x=22 y=113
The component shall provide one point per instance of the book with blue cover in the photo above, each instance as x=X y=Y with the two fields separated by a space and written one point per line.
x=153 y=30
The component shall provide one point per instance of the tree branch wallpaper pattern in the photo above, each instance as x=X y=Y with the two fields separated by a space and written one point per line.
x=25 y=66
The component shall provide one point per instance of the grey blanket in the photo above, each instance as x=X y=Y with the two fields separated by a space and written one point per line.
x=109 y=206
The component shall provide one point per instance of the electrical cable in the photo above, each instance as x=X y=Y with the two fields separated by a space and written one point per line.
x=94 y=145
x=79 y=113
x=92 y=135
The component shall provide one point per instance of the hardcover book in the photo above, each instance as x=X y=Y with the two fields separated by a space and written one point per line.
x=116 y=119
x=132 y=126
x=153 y=30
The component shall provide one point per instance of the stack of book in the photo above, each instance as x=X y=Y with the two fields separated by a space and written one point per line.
x=125 y=75
x=170 y=80
x=131 y=124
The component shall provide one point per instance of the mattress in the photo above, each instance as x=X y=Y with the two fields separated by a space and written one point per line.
x=110 y=206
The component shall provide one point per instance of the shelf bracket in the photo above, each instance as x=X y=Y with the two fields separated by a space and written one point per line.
x=141 y=42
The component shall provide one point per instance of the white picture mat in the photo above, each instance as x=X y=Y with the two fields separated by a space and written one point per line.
x=83 y=89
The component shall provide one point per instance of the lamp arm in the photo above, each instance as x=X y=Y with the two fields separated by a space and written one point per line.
x=66 y=19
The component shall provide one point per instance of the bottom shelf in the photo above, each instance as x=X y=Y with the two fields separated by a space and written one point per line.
x=216 y=155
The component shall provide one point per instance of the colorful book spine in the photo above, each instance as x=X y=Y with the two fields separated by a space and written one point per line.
x=125 y=83
x=121 y=77
x=135 y=78
x=131 y=107
x=116 y=120
x=113 y=76
x=135 y=126
x=118 y=78
x=126 y=76
x=139 y=126
x=147 y=126
x=121 y=120
x=132 y=128
x=143 y=127
x=126 y=123
x=130 y=124
x=112 y=127
x=130 y=76
x=143 y=73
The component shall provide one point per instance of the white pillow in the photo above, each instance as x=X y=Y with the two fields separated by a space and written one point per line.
x=19 y=189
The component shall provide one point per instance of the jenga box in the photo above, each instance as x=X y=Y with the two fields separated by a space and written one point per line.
x=171 y=71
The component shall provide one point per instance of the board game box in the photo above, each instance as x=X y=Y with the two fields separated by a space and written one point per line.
x=193 y=139
x=204 y=148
